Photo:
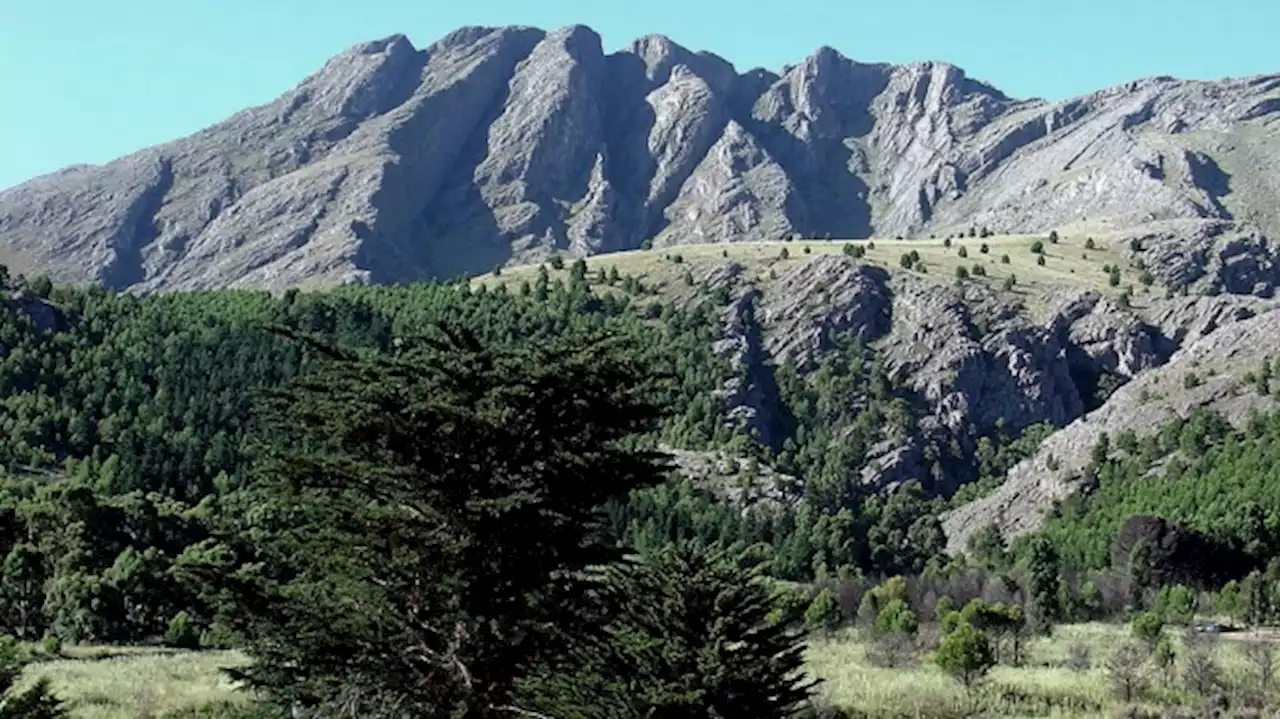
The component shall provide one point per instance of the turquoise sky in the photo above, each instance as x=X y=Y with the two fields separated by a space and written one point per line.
x=89 y=80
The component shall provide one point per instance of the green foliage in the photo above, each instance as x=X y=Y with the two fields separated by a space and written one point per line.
x=556 y=262
x=785 y=254
x=182 y=633
x=1037 y=247
x=962 y=273
x=1053 y=237
x=1218 y=483
x=896 y=616
x=691 y=638
x=854 y=251
x=476 y=465
x=966 y=655
x=1043 y=576
x=1148 y=627
x=1089 y=244
x=1040 y=260
x=1176 y=604
x=34 y=702
x=823 y=613
x=962 y=252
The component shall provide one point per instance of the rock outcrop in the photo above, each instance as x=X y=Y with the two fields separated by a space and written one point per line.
x=496 y=146
x=1206 y=372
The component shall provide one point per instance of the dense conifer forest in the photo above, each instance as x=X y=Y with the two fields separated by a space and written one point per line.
x=218 y=469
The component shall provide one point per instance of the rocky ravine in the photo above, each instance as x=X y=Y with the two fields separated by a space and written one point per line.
x=968 y=357
x=495 y=146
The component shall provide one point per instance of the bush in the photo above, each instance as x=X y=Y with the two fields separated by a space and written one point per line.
x=51 y=645
x=1148 y=627
x=966 y=655
x=946 y=242
x=182 y=632
x=823 y=613
x=1004 y=259
x=962 y=273
x=1089 y=244
x=1125 y=670
x=806 y=249
x=1040 y=260
x=962 y=252
x=785 y=254
x=979 y=270
x=1037 y=247
x=1053 y=237
x=1078 y=657
x=896 y=617
x=984 y=248
x=557 y=262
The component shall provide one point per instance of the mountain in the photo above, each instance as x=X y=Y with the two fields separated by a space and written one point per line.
x=497 y=146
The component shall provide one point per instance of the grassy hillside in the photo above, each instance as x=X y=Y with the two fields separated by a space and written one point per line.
x=1073 y=261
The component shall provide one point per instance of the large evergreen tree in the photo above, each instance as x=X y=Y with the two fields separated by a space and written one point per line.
x=421 y=525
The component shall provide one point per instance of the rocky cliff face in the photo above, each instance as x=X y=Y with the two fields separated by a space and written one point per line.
x=495 y=146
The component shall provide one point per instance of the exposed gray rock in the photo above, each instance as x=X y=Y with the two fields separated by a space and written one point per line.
x=750 y=396
x=1207 y=257
x=496 y=146
x=824 y=295
x=1218 y=360
x=742 y=482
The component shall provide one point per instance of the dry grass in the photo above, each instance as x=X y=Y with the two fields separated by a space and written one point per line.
x=115 y=683
x=1068 y=263
x=133 y=682
x=1043 y=687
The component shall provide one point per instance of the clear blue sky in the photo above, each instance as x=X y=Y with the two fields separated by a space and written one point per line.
x=89 y=80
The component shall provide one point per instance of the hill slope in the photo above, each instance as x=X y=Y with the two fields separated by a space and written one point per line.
x=495 y=146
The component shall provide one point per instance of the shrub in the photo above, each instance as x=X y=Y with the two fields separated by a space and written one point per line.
x=962 y=252
x=823 y=613
x=1004 y=259
x=806 y=249
x=557 y=262
x=646 y=245
x=966 y=655
x=1037 y=247
x=1148 y=627
x=785 y=254
x=1089 y=243
x=946 y=242
x=984 y=248
x=896 y=616
x=980 y=270
x=1040 y=260
x=1126 y=672
x=962 y=273
x=1053 y=237
x=51 y=645
x=182 y=632
x=1078 y=657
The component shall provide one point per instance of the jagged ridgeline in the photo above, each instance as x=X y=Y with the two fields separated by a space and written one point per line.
x=496 y=146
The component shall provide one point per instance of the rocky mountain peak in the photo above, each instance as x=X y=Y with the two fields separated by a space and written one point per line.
x=497 y=145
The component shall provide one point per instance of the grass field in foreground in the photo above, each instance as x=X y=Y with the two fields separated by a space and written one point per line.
x=133 y=682
x=111 y=683
x=1042 y=687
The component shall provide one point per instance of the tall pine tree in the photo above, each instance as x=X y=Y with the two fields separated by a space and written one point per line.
x=420 y=528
